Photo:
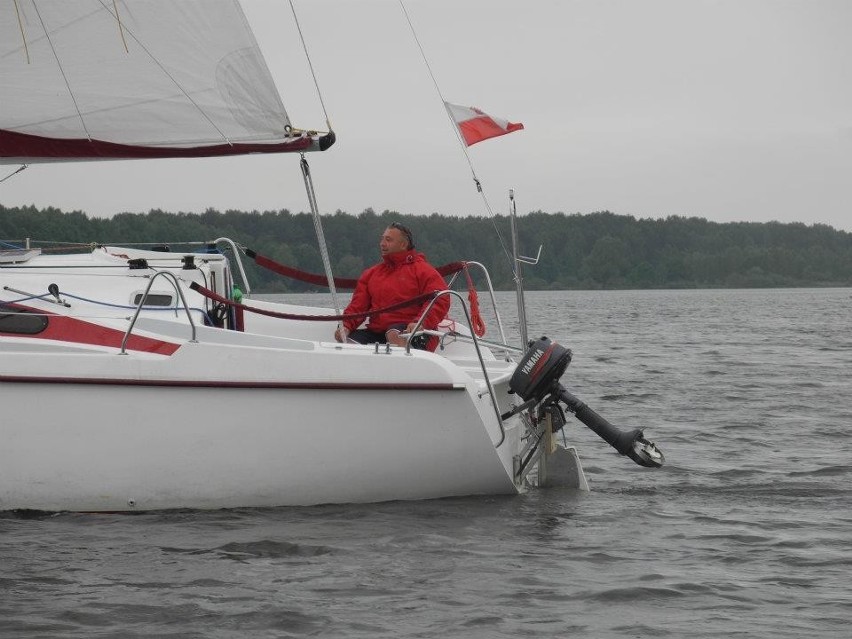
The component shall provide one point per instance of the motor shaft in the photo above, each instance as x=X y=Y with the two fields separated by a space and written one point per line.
x=630 y=443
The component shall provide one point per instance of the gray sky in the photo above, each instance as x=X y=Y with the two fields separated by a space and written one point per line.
x=725 y=109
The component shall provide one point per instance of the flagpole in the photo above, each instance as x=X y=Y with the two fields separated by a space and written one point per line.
x=519 y=278
x=476 y=181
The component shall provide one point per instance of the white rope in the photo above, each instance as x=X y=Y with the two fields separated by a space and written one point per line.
x=23 y=35
x=120 y=29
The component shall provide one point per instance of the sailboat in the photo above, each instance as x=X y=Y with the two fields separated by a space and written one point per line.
x=140 y=378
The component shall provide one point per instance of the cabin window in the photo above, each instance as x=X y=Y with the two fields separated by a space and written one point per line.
x=22 y=322
x=154 y=299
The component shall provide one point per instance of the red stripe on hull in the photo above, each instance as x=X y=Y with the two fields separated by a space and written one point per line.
x=15 y=379
x=76 y=331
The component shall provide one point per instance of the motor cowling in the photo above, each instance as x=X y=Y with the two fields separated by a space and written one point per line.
x=539 y=369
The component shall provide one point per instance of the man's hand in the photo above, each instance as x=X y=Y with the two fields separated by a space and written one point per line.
x=341 y=334
x=393 y=338
x=410 y=327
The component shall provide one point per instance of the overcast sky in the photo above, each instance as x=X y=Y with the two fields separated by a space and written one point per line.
x=733 y=110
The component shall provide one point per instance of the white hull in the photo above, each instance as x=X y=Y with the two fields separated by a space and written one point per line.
x=283 y=422
x=233 y=418
x=215 y=448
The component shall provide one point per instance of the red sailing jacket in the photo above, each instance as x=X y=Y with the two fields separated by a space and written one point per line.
x=398 y=277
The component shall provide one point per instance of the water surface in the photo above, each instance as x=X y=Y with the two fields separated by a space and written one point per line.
x=747 y=531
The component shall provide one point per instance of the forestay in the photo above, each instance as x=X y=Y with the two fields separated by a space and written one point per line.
x=97 y=79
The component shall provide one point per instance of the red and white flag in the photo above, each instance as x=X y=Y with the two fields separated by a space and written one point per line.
x=476 y=126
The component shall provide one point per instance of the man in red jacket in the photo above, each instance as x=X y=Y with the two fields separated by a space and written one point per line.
x=402 y=274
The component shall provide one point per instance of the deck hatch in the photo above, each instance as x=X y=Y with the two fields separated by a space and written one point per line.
x=154 y=299
x=21 y=322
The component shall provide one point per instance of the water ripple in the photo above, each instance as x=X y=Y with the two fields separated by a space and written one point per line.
x=744 y=533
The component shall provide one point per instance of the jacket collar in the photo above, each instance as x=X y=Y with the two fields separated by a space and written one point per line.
x=401 y=257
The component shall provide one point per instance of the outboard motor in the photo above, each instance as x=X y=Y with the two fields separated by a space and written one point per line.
x=536 y=381
x=539 y=369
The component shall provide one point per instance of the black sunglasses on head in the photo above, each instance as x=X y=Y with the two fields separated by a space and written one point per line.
x=404 y=230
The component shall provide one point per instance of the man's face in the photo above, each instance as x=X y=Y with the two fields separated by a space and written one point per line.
x=392 y=241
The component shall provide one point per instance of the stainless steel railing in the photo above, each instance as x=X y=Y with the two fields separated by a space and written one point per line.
x=488 y=385
x=178 y=290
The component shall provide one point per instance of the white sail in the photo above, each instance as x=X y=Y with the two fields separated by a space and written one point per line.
x=97 y=79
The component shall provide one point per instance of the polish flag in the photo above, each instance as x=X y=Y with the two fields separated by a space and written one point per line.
x=476 y=126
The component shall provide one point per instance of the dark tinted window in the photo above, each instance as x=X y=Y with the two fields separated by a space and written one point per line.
x=13 y=320
x=154 y=299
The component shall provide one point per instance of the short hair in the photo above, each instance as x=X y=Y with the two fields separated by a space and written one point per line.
x=405 y=231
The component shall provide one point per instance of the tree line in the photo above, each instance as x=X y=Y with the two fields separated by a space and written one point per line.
x=599 y=250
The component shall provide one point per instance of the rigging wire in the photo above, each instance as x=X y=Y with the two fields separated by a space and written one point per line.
x=315 y=214
x=306 y=174
x=460 y=140
x=165 y=72
x=15 y=172
x=122 y=29
x=310 y=64
x=62 y=71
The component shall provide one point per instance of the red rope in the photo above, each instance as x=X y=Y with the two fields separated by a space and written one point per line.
x=476 y=321
x=321 y=280
x=206 y=292
x=452 y=267
x=296 y=274
x=478 y=324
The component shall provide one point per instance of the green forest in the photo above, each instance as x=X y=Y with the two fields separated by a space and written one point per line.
x=599 y=250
